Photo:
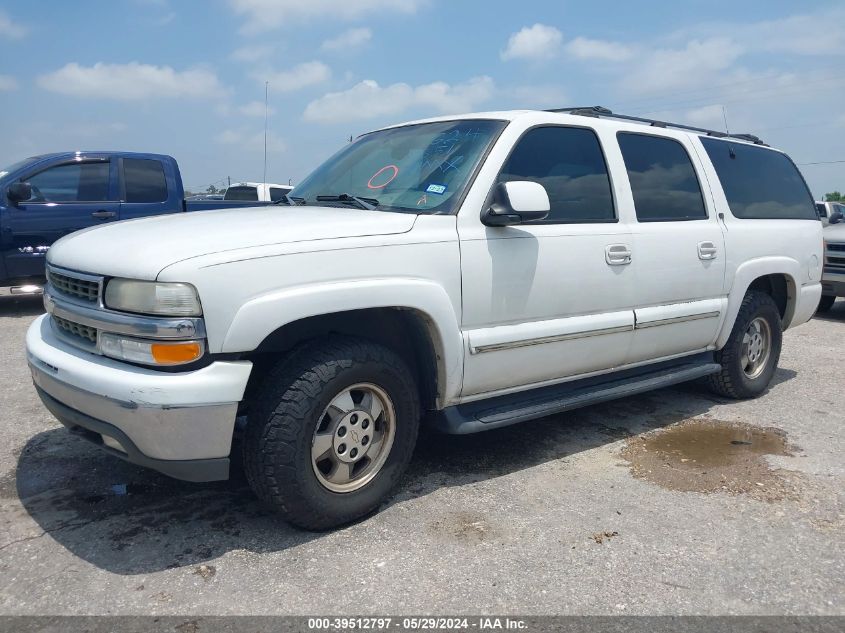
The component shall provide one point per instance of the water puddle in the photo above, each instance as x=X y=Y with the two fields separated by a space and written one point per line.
x=706 y=455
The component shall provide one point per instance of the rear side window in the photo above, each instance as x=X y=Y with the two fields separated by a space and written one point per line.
x=569 y=163
x=144 y=180
x=277 y=193
x=249 y=194
x=760 y=183
x=72 y=182
x=662 y=177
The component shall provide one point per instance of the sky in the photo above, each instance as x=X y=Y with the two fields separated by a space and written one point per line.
x=187 y=77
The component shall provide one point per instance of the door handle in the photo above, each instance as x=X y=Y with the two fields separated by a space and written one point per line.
x=617 y=255
x=707 y=250
x=103 y=215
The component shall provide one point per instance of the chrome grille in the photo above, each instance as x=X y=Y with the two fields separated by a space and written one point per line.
x=76 y=329
x=71 y=286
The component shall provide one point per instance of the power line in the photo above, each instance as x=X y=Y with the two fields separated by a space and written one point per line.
x=822 y=162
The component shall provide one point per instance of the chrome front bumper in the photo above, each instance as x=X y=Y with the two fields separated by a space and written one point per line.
x=178 y=423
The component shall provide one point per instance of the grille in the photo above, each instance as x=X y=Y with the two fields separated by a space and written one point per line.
x=836 y=261
x=836 y=247
x=74 y=287
x=76 y=329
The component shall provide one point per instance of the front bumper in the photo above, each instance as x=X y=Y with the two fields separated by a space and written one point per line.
x=180 y=424
x=833 y=283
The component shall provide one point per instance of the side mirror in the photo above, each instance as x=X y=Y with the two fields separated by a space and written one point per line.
x=19 y=191
x=835 y=217
x=516 y=202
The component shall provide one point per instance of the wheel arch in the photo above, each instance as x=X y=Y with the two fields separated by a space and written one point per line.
x=414 y=318
x=776 y=276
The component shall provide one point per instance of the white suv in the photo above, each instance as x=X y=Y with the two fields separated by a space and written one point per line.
x=470 y=271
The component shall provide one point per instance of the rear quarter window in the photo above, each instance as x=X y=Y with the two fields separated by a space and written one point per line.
x=760 y=183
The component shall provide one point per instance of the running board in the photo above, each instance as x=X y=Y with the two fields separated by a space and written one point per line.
x=502 y=411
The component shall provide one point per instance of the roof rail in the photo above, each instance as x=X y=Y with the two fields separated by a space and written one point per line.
x=599 y=111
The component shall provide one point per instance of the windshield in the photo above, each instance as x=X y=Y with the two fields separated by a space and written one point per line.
x=422 y=168
x=6 y=172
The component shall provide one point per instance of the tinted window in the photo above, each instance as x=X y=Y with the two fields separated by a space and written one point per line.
x=277 y=193
x=144 y=180
x=73 y=182
x=241 y=193
x=662 y=177
x=821 y=210
x=569 y=163
x=760 y=183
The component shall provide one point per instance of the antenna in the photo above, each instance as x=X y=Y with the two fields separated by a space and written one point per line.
x=725 y=118
x=266 y=88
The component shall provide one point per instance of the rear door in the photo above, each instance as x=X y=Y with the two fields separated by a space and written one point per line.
x=66 y=197
x=144 y=188
x=679 y=251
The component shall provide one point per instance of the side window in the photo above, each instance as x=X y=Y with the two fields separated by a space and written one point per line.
x=760 y=183
x=277 y=193
x=72 y=182
x=662 y=177
x=569 y=163
x=144 y=180
x=821 y=210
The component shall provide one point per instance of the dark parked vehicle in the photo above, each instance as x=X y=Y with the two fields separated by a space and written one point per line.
x=44 y=198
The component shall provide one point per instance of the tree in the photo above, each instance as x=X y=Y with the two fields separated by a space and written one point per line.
x=211 y=189
x=834 y=196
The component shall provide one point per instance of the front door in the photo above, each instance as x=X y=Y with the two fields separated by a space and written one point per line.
x=548 y=300
x=65 y=198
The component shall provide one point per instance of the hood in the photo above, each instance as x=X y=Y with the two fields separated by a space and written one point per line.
x=140 y=249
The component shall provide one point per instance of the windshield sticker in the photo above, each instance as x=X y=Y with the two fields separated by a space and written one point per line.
x=422 y=201
x=381 y=178
x=438 y=189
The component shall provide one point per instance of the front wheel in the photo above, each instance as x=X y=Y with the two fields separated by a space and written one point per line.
x=332 y=430
x=750 y=356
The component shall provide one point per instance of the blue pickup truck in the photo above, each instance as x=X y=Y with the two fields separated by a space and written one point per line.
x=44 y=198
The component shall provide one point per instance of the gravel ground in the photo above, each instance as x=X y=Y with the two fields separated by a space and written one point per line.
x=548 y=517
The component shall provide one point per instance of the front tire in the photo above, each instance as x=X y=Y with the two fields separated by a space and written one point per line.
x=826 y=303
x=331 y=431
x=750 y=356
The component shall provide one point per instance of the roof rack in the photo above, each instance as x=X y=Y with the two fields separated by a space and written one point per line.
x=599 y=111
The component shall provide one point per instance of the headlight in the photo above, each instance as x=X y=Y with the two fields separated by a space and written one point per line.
x=150 y=352
x=152 y=297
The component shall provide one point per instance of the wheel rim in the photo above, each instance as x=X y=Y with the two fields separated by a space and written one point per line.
x=756 y=347
x=353 y=438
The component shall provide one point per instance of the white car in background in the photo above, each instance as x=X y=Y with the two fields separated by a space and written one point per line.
x=826 y=209
x=257 y=191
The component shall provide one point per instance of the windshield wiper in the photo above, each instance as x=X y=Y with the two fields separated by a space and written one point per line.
x=290 y=200
x=363 y=203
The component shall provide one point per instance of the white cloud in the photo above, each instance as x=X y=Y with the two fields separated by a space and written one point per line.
x=709 y=116
x=586 y=48
x=253 y=52
x=265 y=15
x=296 y=78
x=368 y=100
x=10 y=28
x=8 y=83
x=133 y=81
x=348 y=39
x=693 y=66
x=533 y=42
x=255 y=108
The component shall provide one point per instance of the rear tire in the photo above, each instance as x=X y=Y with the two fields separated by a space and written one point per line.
x=750 y=356
x=327 y=397
x=826 y=303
